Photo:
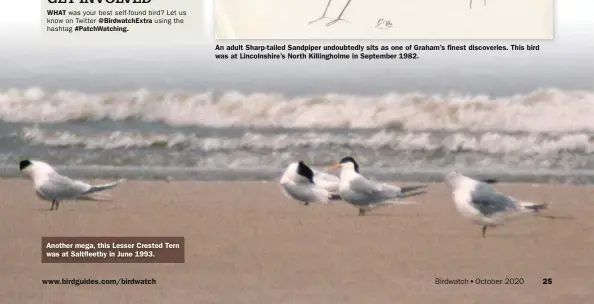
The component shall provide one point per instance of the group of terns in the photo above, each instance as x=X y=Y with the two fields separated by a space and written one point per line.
x=306 y=185
x=474 y=199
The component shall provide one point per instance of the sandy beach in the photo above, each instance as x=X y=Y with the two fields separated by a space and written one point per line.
x=247 y=243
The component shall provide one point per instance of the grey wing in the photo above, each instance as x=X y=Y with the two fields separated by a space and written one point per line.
x=489 y=201
x=61 y=187
x=363 y=185
x=390 y=191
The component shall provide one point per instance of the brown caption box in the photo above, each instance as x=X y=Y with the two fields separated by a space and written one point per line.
x=112 y=250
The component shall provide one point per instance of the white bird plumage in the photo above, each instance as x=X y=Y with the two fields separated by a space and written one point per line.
x=306 y=185
x=365 y=194
x=327 y=181
x=477 y=201
x=51 y=186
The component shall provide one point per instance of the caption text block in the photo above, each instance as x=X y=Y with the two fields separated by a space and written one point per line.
x=112 y=250
x=123 y=19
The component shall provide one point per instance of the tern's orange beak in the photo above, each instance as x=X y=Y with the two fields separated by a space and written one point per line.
x=334 y=166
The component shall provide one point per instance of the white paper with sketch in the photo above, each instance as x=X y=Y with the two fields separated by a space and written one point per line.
x=384 y=19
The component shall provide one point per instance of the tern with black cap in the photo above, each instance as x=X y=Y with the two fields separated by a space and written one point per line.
x=366 y=194
x=51 y=186
x=302 y=183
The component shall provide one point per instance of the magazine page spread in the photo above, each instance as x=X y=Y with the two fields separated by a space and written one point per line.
x=307 y=152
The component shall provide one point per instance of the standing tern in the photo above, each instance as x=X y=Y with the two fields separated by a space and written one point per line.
x=51 y=186
x=365 y=194
x=477 y=201
x=306 y=185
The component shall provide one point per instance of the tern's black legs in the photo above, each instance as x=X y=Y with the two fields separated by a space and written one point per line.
x=339 y=18
x=361 y=212
x=324 y=14
x=484 y=230
x=306 y=204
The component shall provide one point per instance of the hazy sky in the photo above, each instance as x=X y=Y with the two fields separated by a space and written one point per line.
x=566 y=62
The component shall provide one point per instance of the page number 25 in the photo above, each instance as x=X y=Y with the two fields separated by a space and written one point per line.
x=547 y=280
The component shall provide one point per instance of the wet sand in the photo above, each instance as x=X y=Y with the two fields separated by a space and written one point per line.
x=247 y=243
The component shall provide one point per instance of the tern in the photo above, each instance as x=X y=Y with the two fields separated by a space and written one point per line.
x=479 y=202
x=306 y=185
x=51 y=186
x=366 y=194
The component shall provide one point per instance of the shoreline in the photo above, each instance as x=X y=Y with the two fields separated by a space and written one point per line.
x=247 y=243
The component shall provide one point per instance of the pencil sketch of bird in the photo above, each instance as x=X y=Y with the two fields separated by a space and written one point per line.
x=339 y=18
x=477 y=201
x=51 y=186
x=484 y=3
